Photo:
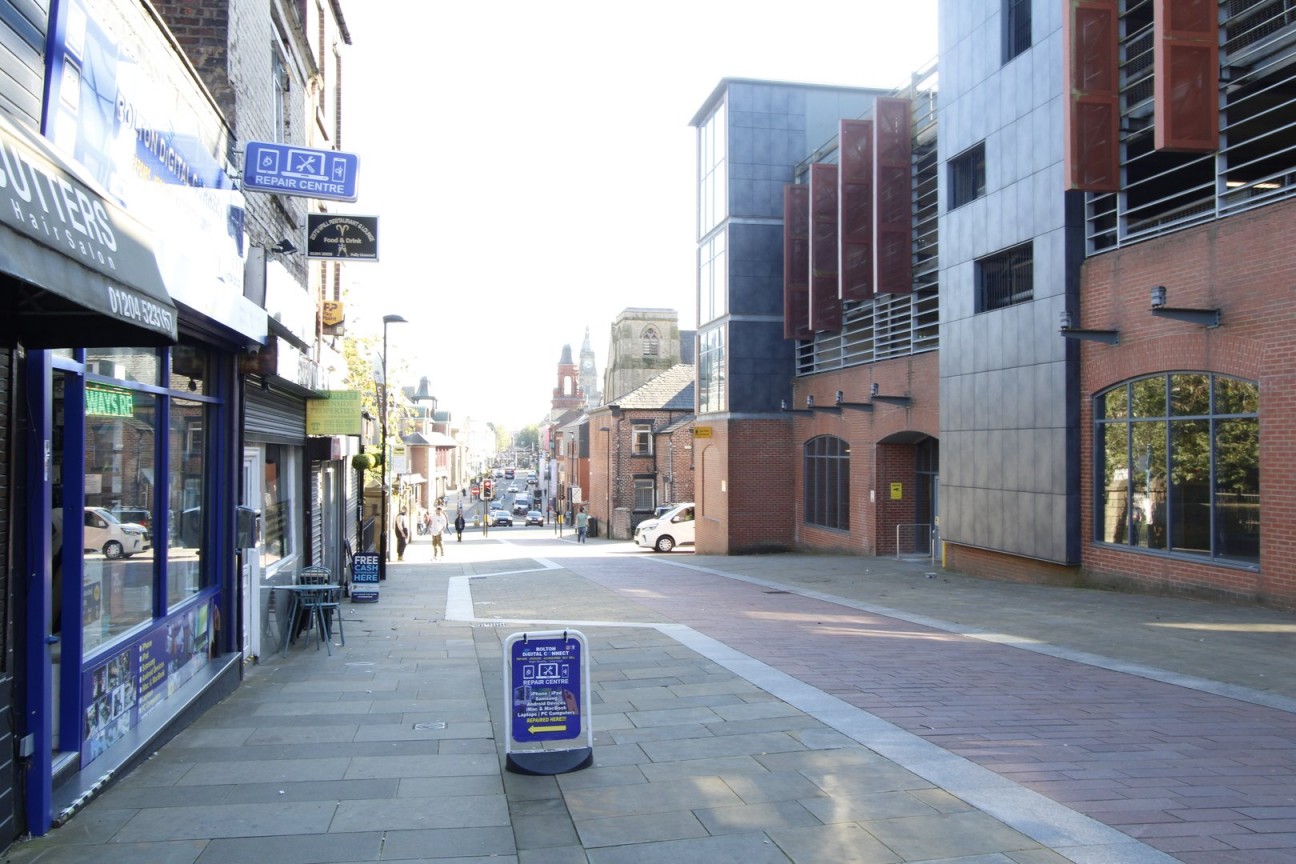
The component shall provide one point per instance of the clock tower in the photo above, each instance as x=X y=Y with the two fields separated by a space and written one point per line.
x=588 y=378
x=567 y=396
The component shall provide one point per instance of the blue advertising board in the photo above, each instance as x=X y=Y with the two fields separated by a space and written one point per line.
x=546 y=689
x=302 y=171
x=364 y=578
x=547 y=681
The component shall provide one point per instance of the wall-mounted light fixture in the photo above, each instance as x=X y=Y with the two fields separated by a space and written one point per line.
x=284 y=247
x=875 y=396
x=783 y=406
x=1109 y=337
x=823 y=409
x=1204 y=317
x=858 y=406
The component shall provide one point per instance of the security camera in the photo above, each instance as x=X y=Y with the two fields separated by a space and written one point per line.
x=254 y=349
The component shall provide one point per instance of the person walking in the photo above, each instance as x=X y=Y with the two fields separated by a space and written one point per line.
x=582 y=524
x=459 y=524
x=437 y=529
x=402 y=533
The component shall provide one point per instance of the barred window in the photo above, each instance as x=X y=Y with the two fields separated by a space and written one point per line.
x=1016 y=27
x=827 y=482
x=1005 y=278
x=645 y=494
x=967 y=176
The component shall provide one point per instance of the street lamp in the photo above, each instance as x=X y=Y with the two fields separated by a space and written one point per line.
x=383 y=547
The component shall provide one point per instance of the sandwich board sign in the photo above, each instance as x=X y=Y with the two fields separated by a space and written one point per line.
x=547 y=690
x=364 y=578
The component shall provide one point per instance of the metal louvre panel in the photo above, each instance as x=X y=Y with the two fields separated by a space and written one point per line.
x=855 y=203
x=796 y=262
x=1091 y=119
x=825 y=304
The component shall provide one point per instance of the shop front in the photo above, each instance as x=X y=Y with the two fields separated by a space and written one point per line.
x=124 y=248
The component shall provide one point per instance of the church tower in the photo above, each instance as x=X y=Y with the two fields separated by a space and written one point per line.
x=567 y=396
x=588 y=378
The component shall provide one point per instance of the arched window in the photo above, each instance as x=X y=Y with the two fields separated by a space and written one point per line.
x=1177 y=463
x=651 y=341
x=827 y=482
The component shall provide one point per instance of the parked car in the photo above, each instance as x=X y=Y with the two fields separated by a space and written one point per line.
x=673 y=528
x=501 y=517
x=535 y=517
x=662 y=509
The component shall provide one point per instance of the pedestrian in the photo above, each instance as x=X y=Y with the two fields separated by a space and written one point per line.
x=427 y=522
x=402 y=534
x=437 y=529
x=582 y=524
x=459 y=527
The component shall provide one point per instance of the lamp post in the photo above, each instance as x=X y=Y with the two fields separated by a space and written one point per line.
x=383 y=547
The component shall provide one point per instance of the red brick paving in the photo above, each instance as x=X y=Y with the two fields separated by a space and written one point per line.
x=1205 y=778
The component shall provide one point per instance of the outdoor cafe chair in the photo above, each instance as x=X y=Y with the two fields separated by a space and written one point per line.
x=322 y=607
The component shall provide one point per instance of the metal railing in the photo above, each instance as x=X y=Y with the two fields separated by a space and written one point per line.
x=916 y=539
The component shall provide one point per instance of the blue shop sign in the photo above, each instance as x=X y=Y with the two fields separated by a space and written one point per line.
x=301 y=171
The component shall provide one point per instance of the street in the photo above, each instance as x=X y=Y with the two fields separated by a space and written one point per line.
x=766 y=708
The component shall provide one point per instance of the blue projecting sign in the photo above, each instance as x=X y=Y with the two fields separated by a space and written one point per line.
x=300 y=171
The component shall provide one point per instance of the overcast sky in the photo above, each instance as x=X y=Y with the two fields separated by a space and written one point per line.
x=532 y=165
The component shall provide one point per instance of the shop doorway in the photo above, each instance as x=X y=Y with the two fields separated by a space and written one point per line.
x=253 y=627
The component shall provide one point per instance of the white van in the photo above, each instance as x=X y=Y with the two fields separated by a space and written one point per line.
x=673 y=528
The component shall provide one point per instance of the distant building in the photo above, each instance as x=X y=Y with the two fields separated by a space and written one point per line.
x=589 y=383
x=643 y=344
x=640 y=450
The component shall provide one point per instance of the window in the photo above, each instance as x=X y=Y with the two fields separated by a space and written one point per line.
x=187 y=473
x=1005 y=278
x=711 y=370
x=280 y=86
x=712 y=182
x=645 y=494
x=650 y=340
x=1016 y=27
x=1178 y=459
x=643 y=439
x=967 y=176
x=827 y=482
x=713 y=279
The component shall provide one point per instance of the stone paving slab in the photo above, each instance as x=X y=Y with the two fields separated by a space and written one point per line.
x=726 y=729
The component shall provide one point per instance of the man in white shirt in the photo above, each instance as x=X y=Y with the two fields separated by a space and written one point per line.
x=437 y=529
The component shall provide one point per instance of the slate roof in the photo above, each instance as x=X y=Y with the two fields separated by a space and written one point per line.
x=672 y=390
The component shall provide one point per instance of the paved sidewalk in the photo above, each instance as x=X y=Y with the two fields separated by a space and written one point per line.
x=804 y=708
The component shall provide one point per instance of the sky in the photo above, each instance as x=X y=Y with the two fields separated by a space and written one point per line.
x=532 y=166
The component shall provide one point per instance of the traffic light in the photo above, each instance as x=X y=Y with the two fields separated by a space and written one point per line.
x=488 y=489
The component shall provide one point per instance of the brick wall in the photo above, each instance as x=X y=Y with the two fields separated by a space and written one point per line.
x=881 y=443
x=1241 y=266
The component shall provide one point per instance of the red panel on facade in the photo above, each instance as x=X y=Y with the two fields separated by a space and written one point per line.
x=825 y=304
x=1186 y=59
x=892 y=196
x=855 y=209
x=1091 y=118
x=796 y=262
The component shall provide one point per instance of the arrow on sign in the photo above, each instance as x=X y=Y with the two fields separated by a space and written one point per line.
x=534 y=729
